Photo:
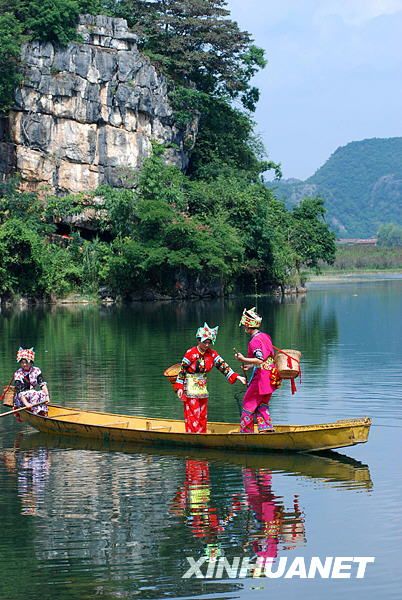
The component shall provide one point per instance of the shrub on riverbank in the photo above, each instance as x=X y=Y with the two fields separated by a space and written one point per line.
x=365 y=258
x=171 y=234
x=210 y=230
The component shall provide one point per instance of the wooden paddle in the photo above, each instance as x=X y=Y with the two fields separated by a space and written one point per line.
x=17 y=410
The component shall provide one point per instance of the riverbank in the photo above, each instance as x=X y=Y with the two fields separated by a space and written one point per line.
x=78 y=510
x=356 y=275
x=364 y=258
x=148 y=296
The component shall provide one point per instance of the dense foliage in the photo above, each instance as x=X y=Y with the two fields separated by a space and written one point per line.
x=390 y=236
x=361 y=184
x=362 y=257
x=213 y=229
x=168 y=233
x=194 y=42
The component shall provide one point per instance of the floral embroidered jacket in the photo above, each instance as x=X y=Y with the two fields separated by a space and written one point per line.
x=28 y=380
x=195 y=362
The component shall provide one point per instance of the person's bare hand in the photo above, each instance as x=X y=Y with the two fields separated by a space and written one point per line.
x=180 y=394
x=242 y=379
x=239 y=356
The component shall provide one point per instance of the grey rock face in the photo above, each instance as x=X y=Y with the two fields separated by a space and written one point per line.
x=86 y=114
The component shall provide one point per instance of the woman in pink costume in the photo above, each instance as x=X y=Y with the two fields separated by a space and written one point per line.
x=264 y=379
x=267 y=510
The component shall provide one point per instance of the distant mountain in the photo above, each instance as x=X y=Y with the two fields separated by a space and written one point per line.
x=361 y=184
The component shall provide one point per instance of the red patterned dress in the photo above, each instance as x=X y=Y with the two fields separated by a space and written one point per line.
x=192 y=380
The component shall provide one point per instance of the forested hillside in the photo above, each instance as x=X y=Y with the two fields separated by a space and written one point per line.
x=206 y=231
x=361 y=184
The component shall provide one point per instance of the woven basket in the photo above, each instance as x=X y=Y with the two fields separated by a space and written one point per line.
x=172 y=372
x=281 y=362
x=8 y=395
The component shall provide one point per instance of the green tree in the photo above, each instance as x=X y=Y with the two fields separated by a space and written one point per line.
x=226 y=138
x=25 y=207
x=196 y=43
x=158 y=180
x=20 y=252
x=11 y=38
x=309 y=235
x=390 y=236
x=60 y=271
x=48 y=20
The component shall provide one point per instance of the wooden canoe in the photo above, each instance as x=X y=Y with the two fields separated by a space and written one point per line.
x=113 y=427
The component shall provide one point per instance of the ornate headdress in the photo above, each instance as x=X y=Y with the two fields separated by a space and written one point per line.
x=250 y=318
x=27 y=353
x=207 y=333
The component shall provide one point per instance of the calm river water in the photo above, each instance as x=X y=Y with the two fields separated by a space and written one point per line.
x=84 y=521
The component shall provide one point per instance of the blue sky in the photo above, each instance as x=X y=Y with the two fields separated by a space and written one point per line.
x=334 y=75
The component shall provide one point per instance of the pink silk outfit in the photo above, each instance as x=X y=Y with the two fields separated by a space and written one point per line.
x=276 y=524
x=264 y=380
x=193 y=381
x=257 y=485
x=25 y=383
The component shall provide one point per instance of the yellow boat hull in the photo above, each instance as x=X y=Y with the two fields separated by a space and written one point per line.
x=142 y=430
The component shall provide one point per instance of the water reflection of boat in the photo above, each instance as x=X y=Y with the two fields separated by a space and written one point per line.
x=332 y=468
x=109 y=426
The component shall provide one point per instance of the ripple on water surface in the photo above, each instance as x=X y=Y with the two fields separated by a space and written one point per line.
x=88 y=521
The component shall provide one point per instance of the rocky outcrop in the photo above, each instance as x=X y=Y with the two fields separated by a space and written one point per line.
x=87 y=114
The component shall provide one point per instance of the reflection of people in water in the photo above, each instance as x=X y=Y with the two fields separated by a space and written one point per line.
x=31 y=468
x=275 y=523
x=33 y=471
x=194 y=500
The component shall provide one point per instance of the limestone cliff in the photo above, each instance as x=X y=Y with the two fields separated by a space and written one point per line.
x=88 y=113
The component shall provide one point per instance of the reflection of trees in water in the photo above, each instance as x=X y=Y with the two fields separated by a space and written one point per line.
x=122 y=520
x=114 y=523
x=311 y=329
x=18 y=561
x=106 y=357
x=102 y=514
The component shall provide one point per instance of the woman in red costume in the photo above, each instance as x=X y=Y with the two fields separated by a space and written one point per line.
x=191 y=382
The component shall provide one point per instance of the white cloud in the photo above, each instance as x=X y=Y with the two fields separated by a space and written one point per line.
x=333 y=74
x=357 y=12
